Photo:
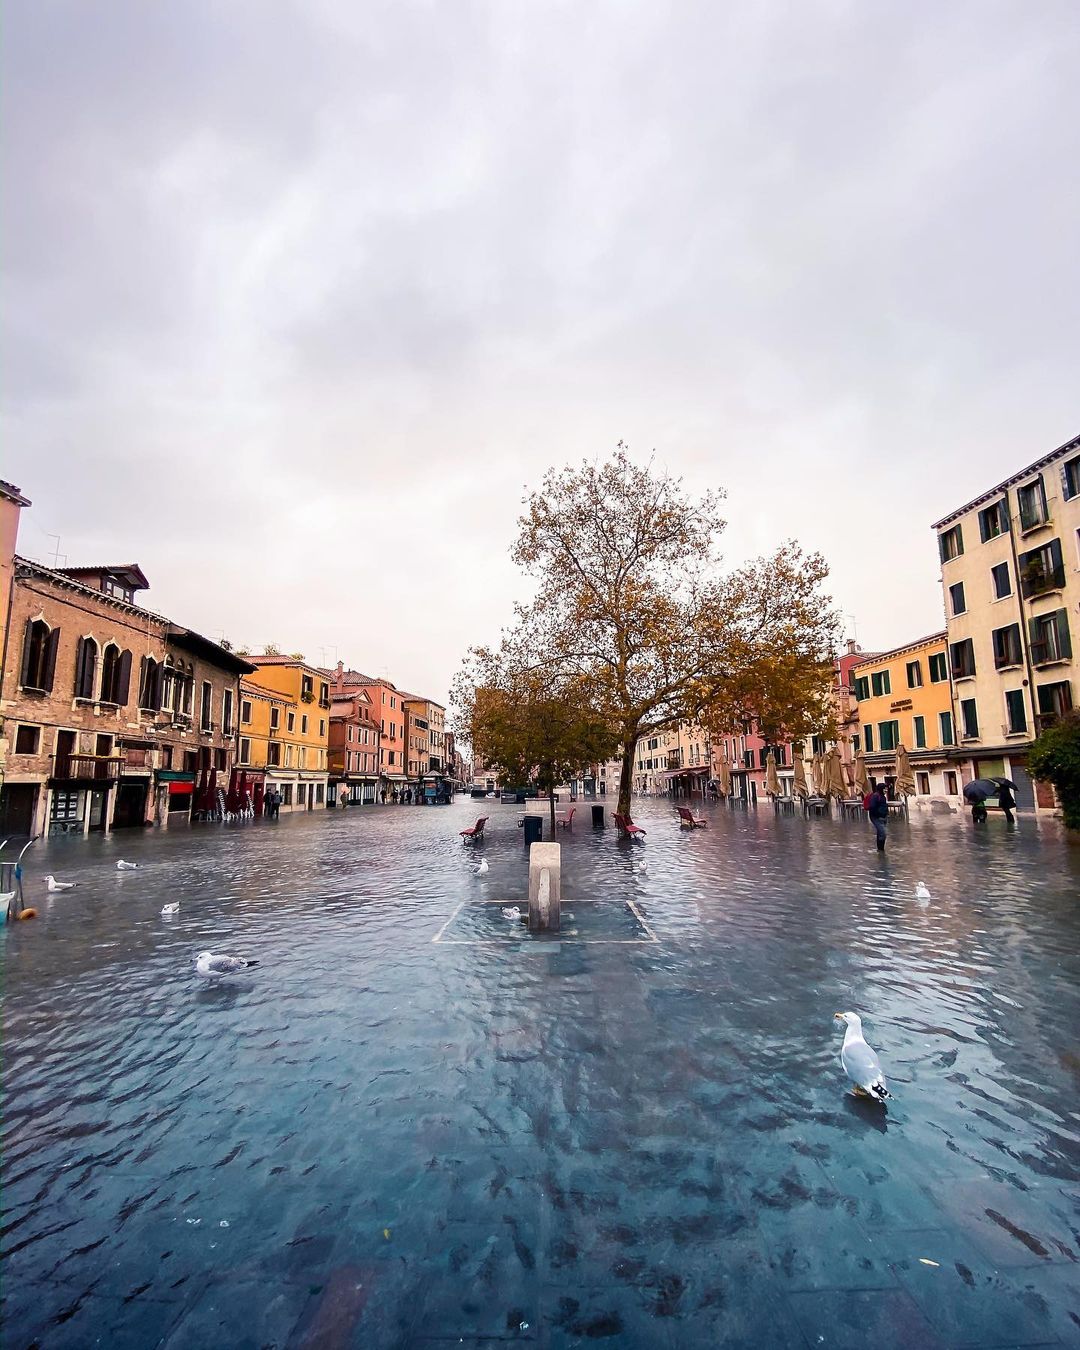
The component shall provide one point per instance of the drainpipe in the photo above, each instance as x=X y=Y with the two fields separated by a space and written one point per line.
x=1023 y=627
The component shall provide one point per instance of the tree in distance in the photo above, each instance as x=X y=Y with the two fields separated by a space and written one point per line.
x=632 y=607
x=531 y=727
x=1055 y=758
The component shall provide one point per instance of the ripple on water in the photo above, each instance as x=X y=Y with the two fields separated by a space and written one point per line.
x=642 y=1107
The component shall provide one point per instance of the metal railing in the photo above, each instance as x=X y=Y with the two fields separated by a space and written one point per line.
x=87 y=768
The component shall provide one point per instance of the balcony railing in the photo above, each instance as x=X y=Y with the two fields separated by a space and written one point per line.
x=100 y=769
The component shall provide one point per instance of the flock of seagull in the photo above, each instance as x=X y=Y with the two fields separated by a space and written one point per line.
x=859 y=1060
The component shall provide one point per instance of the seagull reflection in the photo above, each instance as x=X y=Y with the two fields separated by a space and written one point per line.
x=868 y=1111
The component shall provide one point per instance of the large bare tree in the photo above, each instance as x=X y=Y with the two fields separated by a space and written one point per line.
x=632 y=602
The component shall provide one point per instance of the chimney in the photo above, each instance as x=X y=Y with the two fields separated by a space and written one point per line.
x=852 y=647
x=339 y=678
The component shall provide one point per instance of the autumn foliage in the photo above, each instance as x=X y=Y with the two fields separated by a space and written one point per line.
x=634 y=613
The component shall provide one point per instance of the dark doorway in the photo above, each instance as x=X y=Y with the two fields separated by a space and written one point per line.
x=98 y=802
x=130 y=805
x=17 y=803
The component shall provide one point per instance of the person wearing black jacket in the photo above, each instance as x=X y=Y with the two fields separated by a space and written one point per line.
x=878 y=811
x=1007 y=802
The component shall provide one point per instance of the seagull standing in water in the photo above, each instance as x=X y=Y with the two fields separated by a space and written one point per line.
x=123 y=866
x=482 y=868
x=55 y=885
x=860 y=1063
x=210 y=967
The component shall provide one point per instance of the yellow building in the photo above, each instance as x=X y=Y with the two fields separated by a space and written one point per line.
x=905 y=698
x=288 y=704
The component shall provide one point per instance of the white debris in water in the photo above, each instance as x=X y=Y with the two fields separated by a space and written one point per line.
x=925 y=1261
x=224 y=1223
x=194 y=1222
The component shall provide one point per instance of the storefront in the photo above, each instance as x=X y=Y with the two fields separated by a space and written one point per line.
x=181 y=791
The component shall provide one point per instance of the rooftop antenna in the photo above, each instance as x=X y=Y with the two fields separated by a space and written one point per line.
x=322 y=652
x=854 y=628
x=57 y=555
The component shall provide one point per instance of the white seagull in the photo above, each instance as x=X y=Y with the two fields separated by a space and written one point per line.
x=210 y=966
x=922 y=891
x=643 y=866
x=511 y=912
x=860 y=1063
x=123 y=866
x=482 y=868
x=174 y=908
x=55 y=885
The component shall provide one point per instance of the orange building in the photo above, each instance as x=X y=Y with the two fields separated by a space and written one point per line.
x=387 y=710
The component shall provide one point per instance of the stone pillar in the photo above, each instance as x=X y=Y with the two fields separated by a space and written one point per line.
x=545 y=887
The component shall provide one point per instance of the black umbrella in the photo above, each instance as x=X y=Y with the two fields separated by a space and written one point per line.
x=1005 y=782
x=980 y=790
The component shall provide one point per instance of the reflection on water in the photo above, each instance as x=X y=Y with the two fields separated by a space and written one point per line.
x=377 y=1138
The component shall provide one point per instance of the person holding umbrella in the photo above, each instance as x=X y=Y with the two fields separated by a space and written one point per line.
x=1006 y=800
x=975 y=794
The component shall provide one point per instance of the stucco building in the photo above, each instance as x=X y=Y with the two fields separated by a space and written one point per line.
x=388 y=711
x=1010 y=575
x=905 y=698
x=354 y=747
x=298 y=728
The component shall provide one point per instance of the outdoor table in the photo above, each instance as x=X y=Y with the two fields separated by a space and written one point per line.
x=785 y=805
x=851 y=808
x=818 y=806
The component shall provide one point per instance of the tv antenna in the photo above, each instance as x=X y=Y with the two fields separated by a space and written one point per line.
x=57 y=555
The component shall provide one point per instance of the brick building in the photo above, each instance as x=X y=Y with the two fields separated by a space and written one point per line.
x=111 y=712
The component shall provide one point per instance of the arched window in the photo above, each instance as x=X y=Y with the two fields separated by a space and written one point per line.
x=86 y=657
x=150 y=685
x=115 y=675
x=39 y=656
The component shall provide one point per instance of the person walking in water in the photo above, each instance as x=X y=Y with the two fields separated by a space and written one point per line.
x=1007 y=802
x=878 y=811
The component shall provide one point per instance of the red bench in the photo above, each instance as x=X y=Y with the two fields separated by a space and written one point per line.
x=688 y=821
x=566 y=822
x=477 y=831
x=626 y=826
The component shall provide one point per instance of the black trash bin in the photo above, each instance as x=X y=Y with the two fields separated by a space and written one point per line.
x=534 y=829
x=598 y=817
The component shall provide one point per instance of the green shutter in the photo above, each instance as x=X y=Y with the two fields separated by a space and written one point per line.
x=1061 y=618
x=920 y=733
x=869 y=733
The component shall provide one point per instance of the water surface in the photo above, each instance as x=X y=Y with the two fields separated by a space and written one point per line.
x=378 y=1139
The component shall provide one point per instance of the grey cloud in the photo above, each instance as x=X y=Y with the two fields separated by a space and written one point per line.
x=300 y=294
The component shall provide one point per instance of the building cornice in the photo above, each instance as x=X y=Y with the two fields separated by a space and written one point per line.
x=1007 y=483
x=915 y=646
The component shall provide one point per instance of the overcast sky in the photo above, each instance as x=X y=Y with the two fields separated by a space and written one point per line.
x=299 y=297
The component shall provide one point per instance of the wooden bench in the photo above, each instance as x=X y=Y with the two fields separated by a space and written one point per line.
x=687 y=819
x=626 y=826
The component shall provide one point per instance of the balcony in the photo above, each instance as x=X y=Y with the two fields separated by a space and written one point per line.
x=674 y=760
x=101 y=770
x=1041 y=580
x=1044 y=721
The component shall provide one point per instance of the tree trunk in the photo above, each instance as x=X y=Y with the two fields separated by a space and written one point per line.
x=551 y=800
x=626 y=781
